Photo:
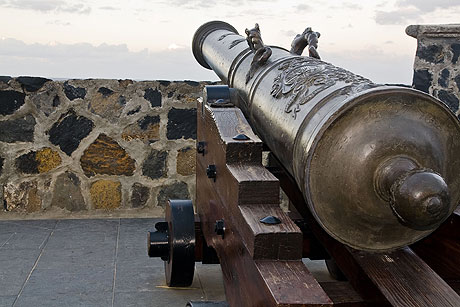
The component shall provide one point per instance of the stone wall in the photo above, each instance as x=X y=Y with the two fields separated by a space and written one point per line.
x=437 y=62
x=96 y=146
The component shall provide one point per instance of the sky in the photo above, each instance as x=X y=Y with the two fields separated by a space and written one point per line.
x=150 y=40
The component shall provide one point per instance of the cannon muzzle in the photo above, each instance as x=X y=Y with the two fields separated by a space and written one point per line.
x=378 y=165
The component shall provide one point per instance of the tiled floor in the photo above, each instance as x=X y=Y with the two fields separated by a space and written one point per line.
x=100 y=262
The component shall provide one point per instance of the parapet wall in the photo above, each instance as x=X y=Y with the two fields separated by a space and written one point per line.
x=437 y=62
x=96 y=146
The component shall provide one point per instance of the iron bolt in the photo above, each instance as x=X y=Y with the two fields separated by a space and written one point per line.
x=211 y=171
x=220 y=228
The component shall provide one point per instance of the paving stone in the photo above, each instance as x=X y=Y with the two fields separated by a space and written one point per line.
x=52 y=299
x=27 y=225
x=67 y=193
x=177 y=190
x=16 y=266
x=181 y=124
x=165 y=297
x=105 y=194
x=139 y=278
x=105 y=156
x=74 y=92
x=7 y=300
x=34 y=239
x=74 y=259
x=186 y=161
x=69 y=130
x=154 y=166
x=153 y=96
x=140 y=195
x=99 y=225
x=11 y=101
x=74 y=239
x=32 y=84
x=17 y=130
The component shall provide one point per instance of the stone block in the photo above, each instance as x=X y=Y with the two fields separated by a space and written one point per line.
x=40 y=161
x=48 y=100
x=177 y=190
x=181 y=124
x=106 y=194
x=73 y=93
x=18 y=130
x=432 y=53
x=107 y=104
x=186 y=161
x=146 y=129
x=69 y=130
x=22 y=197
x=11 y=101
x=449 y=99
x=422 y=80
x=443 y=79
x=153 y=96
x=124 y=83
x=5 y=79
x=67 y=193
x=140 y=195
x=32 y=84
x=154 y=166
x=1 y=165
x=457 y=81
x=455 y=52
x=105 y=156
x=185 y=92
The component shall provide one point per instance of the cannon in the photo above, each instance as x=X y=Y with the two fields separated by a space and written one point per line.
x=371 y=172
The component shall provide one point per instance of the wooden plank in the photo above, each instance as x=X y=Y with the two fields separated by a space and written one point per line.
x=342 y=294
x=405 y=280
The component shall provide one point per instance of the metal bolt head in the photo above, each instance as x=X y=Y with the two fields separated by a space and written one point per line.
x=220 y=228
x=211 y=171
x=200 y=147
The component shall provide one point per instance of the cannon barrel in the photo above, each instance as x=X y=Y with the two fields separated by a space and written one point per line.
x=378 y=165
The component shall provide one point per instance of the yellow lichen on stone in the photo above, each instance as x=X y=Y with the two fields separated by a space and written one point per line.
x=106 y=194
x=47 y=159
x=186 y=161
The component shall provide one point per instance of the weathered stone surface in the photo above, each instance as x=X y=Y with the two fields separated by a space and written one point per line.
x=22 y=197
x=449 y=99
x=105 y=156
x=11 y=101
x=5 y=79
x=106 y=194
x=177 y=190
x=153 y=96
x=47 y=159
x=164 y=82
x=124 y=83
x=32 y=84
x=443 y=79
x=455 y=52
x=457 y=80
x=192 y=83
x=186 y=161
x=422 y=80
x=46 y=101
x=134 y=111
x=107 y=104
x=146 y=129
x=69 y=130
x=74 y=92
x=35 y=162
x=154 y=166
x=1 y=165
x=27 y=163
x=17 y=130
x=140 y=195
x=67 y=193
x=181 y=124
x=431 y=53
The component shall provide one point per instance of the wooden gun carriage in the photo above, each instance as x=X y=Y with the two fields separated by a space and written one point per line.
x=371 y=173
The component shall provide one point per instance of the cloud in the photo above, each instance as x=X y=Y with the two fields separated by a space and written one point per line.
x=47 y=6
x=412 y=10
x=85 y=60
x=109 y=8
x=59 y=23
x=303 y=8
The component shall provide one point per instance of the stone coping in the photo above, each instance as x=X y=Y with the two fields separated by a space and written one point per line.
x=441 y=30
